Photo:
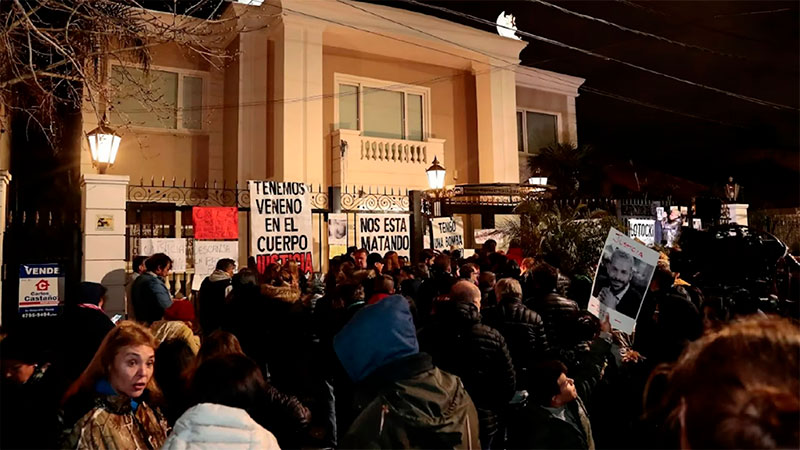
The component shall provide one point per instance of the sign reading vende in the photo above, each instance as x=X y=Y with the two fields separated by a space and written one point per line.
x=280 y=224
x=448 y=233
x=381 y=233
x=39 y=290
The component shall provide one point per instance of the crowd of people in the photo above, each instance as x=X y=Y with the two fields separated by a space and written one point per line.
x=480 y=352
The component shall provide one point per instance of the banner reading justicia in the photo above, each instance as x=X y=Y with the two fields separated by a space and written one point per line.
x=280 y=224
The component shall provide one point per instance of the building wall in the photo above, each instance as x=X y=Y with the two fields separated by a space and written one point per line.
x=452 y=104
x=194 y=156
x=551 y=103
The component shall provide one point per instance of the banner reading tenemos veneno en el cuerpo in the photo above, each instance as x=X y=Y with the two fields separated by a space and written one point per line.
x=280 y=224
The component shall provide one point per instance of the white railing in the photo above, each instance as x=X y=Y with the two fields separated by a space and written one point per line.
x=382 y=161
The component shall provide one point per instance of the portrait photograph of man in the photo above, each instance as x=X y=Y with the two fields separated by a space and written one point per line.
x=623 y=276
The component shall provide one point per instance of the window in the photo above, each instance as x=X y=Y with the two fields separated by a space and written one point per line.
x=152 y=100
x=382 y=109
x=535 y=131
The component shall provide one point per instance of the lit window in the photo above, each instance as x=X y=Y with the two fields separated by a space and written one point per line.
x=535 y=131
x=151 y=100
x=382 y=109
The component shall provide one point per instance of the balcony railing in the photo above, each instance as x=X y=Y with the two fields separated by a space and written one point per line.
x=381 y=161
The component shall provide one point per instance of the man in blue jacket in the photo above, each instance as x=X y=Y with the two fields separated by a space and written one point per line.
x=149 y=291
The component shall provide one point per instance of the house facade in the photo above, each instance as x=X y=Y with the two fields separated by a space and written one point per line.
x=399 y=87
x=359 y=97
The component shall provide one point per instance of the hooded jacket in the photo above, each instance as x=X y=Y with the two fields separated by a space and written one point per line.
x=404 y=401
x=210 y=426
x=211 y=298
x=460 y=344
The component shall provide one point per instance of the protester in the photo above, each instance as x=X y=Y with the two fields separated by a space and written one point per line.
x=383 y=286
x=360 y=257
x=28 y=410
x=403 y=399
x=138 y=268
x=208 y=425
x=556 y=417
x=558 y=313
x=235 y=380
x=738 y=387
x=470 y=272
x=176 y=361
x=522 y=328
x=213 y=291
x=486 y=283
x=177 y=324
x=460 y=344
x=84 y=324
x=391 y=263
x=110 y=404
x=149 y=290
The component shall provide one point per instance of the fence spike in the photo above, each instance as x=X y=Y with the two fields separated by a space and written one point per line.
x=163 y=182
x=50 y=218
x=194 y=183
x=205 y=185
x=184 y=182
x=24 y=216
x=215 y=184
x=36 y=218
x=237 y=185
x=141 y=181
x=173 y=182
x=224 y=182
x=152 y=180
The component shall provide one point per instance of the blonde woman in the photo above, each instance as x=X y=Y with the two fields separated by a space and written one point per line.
x=110 y=404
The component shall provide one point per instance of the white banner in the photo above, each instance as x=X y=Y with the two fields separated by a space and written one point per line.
x=337 y=229
x=206 y=255
x=448 y=233
x=175 y=248
x=642 y=229
x=381 y=233
x=280 y=224
x=621 y=281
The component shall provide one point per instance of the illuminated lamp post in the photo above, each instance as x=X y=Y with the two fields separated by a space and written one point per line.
x=103 y=144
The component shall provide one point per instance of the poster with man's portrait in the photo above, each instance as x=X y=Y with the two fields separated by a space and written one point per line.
x=622 y=279
x=337 y=229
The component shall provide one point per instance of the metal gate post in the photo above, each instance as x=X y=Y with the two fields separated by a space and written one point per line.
x=417 y=224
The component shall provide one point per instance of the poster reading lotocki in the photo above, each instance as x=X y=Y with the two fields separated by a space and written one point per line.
x=280 y=224
x=621 y=281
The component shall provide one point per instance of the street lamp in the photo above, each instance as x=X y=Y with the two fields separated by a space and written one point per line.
x=103 y=143
x=435 y=175
x=537 y=179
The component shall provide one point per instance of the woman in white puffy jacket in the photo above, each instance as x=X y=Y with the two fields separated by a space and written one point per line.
x=212 y=426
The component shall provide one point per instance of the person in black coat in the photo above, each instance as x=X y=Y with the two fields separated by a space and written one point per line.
x=213 y=292
x=558 y=313
x=460 y=344
x=522 y=328
x=84 y=324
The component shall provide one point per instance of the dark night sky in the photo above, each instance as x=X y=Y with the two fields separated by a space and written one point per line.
x=757 y=145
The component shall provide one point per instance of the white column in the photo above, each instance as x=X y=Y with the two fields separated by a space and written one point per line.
x=496 y=102
x=299 y=155
x=253 y=104
x=5 y=178
x=103 y=201
x=572 y=122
